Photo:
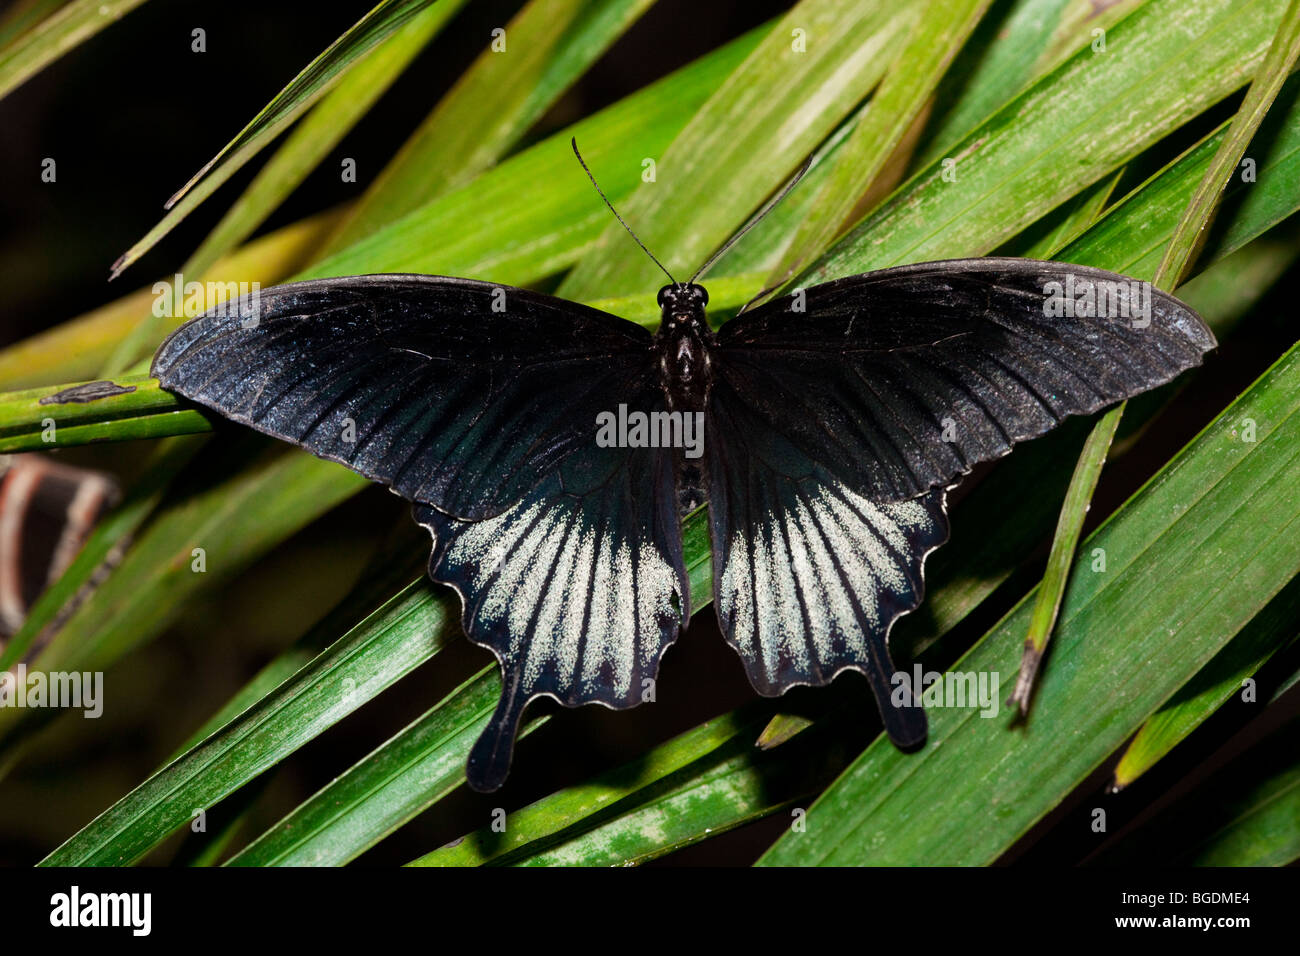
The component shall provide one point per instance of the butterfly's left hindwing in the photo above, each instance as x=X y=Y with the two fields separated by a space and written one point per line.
x=578 y=589
x=809 y=574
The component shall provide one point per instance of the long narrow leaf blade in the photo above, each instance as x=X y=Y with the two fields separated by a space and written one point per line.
x=544 y=49
x=290 y=103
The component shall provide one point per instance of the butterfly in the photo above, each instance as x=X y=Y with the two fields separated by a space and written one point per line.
x=552 y=449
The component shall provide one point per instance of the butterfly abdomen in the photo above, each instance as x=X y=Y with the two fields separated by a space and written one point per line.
x=685 y=346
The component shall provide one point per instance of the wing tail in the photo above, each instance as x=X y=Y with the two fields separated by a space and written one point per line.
x=900 y=712
x=490 y=757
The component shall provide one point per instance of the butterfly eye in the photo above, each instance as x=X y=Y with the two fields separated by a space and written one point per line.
x=662 y=293
x=703 y=293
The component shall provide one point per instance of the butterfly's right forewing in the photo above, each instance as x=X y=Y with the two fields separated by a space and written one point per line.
x=902 y=380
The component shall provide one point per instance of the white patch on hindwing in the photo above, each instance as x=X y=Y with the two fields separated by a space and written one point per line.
x=571 y=631
x=785 y=626
x=806 y=553
x=540 y=568
x=832 y=548
x=549 y=580
x=602 y=611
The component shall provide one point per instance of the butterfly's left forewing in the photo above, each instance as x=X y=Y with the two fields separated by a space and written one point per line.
x=452 y=392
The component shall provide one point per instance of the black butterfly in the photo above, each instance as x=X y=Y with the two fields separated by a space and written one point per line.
x=834 y=419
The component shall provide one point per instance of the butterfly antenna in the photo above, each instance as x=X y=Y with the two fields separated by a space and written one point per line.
x=762 y=295
x=754 y=220
x=583 y=162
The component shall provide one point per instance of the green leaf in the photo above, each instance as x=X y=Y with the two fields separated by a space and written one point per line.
x=1107 y=106
x=1191 y=559
x=385 y=789
x=800 y=82
x=1067 y=221
x=727 y=788
x=941 y=30
x=78 y=349
x=1217 y=681
x=546 y=215
x=548 y=45
x=64 y=30
x=1008 y=51
x=319 y=132
x=1083 y=25
x=563 y=814
x=290 y=103
x=1246 y=814
x=1133 y=234
x=1273 y=72
x=402 y=561
x=1265 y=829
x=309 y=142
x=1286 y=685
x=535 y=213
x=1188 y=236
x=391 y=642
x=45 y=419
x=222 y=525
x=1223 y=294
x=202 y=848
x=1069 y=528
x=22 y=15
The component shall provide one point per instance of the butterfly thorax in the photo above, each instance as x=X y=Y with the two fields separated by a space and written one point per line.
x=685 y=344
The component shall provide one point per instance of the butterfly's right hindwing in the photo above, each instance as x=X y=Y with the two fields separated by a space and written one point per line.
x=809 y=574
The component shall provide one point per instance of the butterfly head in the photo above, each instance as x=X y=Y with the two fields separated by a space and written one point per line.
x=682 y=303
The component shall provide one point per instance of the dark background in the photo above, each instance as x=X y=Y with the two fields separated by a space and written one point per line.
x=129 y=117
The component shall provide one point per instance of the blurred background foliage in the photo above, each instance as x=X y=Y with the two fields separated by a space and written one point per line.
x=312 y=693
